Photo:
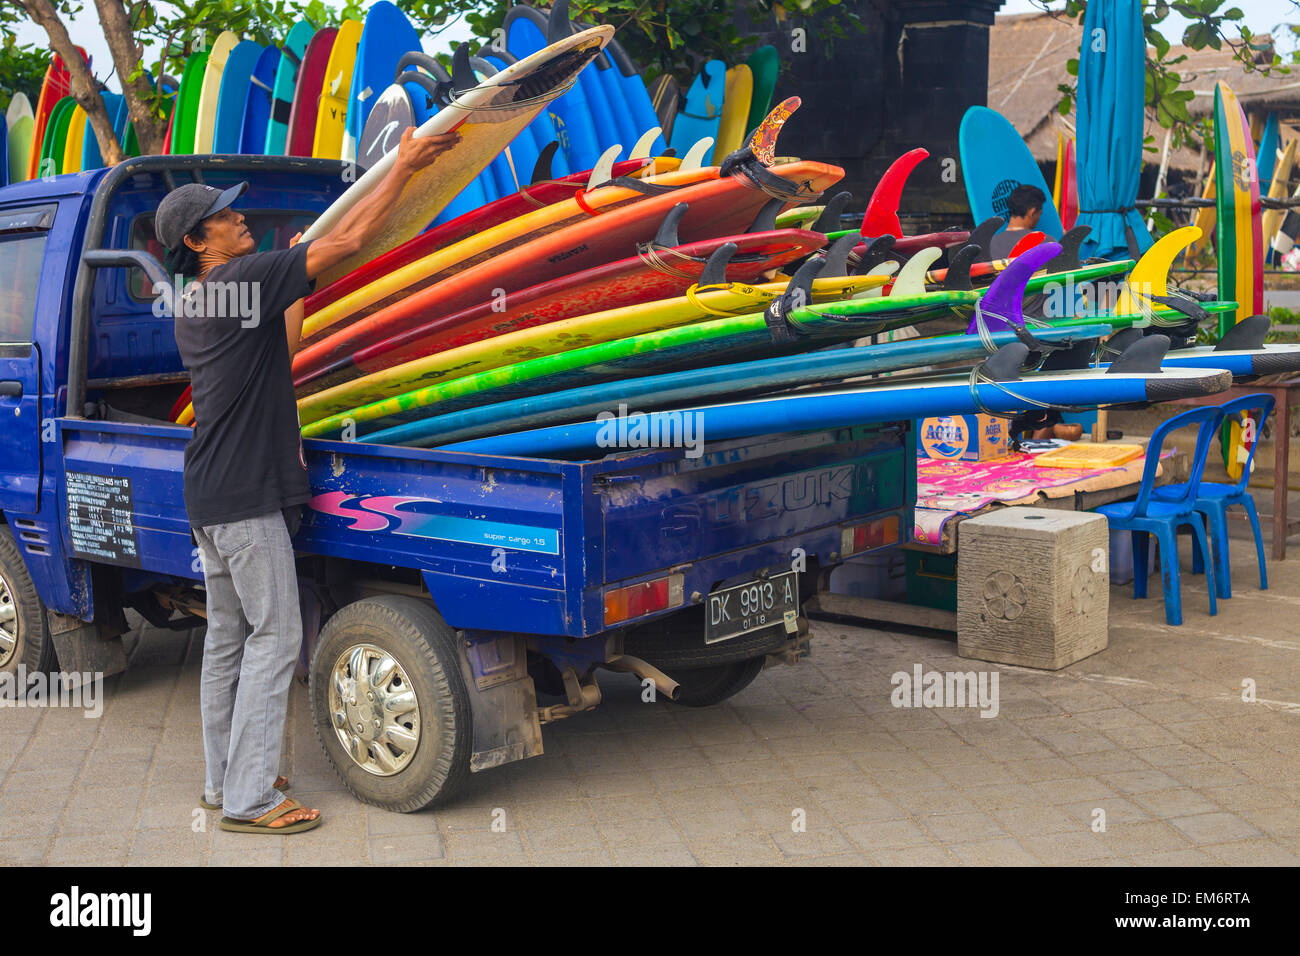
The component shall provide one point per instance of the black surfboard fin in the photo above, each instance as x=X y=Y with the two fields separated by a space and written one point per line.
x=959 y=263
x=462 y=74
x=1180 y=303
x=667 y=234
x=1114 y=346
x=1068 y=257
x=1143 y=356
x=1005 y=364
x=1077 y=355
x=715 y=270
x=765 y=221
x=829 y=220
x=1247 y=334
x=797 y=295
x=835 y=260
x=542 y=168
x=669 y=152
x=982 y=234
x=877 y=250
x=425 y=62
x=558 y=26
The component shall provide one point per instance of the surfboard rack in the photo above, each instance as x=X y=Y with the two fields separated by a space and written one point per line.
x=421 y=59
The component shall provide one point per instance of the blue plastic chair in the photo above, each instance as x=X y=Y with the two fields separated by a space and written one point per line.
x=1214 y=498
x=1148 y=515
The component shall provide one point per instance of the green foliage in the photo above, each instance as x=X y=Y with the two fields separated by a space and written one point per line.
x=22 y=69
x=1210 y=27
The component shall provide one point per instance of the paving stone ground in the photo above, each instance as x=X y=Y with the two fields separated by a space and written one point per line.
x=1153 y=733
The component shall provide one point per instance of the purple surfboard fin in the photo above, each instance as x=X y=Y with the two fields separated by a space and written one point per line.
x=1002 y=304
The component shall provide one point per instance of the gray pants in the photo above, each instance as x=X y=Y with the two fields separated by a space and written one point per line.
x=249 y=572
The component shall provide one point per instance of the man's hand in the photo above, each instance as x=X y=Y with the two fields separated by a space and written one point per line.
x=415 y=154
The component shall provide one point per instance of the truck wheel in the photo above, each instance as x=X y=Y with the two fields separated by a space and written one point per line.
x=706 y=686
x=389 y=703
x=24 y=632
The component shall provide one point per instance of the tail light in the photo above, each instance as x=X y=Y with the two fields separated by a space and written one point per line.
x=869 y=536
x=623 y=604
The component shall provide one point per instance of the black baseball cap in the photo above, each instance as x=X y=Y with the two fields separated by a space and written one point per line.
x=184 y=208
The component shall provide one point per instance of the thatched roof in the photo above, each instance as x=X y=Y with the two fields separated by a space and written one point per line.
x=1027 y=58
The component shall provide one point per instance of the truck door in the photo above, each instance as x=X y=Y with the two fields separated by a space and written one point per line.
x=23 y=233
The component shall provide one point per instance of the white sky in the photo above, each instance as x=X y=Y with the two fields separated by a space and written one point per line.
x=1261 y=17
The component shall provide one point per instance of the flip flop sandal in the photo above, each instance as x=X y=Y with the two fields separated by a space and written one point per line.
x=282 y=787
x=263 y=824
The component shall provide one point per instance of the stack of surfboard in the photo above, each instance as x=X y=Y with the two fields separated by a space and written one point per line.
x=347 y=92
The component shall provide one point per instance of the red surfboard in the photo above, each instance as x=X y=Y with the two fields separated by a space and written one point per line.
x=476 y=220
x=306 y=93
x=57 y=84
x=717 y=207
x=350 y=354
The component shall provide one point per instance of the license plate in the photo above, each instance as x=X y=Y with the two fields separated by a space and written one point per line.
x=751 y=607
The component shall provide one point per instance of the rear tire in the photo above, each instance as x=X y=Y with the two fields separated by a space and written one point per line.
x=706 y=686
x=24 y=632
x=390 y=649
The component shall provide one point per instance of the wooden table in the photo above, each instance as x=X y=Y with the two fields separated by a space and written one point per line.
x=1284 y=393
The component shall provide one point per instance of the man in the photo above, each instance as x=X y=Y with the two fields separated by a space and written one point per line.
x=245 y=476
x=1024 y=207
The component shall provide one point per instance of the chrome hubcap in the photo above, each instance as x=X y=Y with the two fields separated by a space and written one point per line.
x=8 y=623
x=374 y=710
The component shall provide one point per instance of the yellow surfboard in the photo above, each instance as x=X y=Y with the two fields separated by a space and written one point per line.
x=592 y=329
x=76 y=139
x=498 y=238
x=737 y=95
x=206 y=124
x=333 y=111
x=1206 y=216
x=1271 y=220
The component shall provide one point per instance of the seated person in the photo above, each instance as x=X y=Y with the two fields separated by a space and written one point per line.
x=1024 y=207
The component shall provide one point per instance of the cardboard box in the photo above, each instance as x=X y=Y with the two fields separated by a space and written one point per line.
x=963 y=437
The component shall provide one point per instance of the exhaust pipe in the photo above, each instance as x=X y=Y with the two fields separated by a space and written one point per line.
x=664 y=684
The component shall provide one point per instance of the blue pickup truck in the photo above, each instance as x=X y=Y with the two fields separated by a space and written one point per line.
x=453 y=603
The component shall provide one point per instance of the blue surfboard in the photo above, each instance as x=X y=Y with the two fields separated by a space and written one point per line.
x=386 y=35
x=890 y=400
x=232 y=94
x=115 y=105
x=1267 y=153
x=636 y=95
x=257 y=105
x=994 y=161
x=735 y=380
x=286 y=81
x=570 y=113
x=701 y=113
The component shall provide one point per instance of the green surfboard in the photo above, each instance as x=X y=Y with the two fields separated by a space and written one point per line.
x=56 y=136
x=731 y=339
x=187 y=104
x=765 y=64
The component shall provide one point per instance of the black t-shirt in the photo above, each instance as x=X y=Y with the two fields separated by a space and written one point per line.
x=245 y=458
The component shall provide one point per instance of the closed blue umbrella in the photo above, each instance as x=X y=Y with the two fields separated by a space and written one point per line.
x=1112 y=82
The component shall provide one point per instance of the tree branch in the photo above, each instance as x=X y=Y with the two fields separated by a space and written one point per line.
x=149 y=130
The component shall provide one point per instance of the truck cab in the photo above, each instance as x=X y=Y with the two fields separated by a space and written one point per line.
x=473 y=598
